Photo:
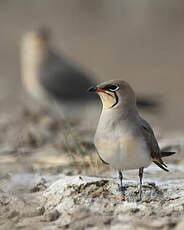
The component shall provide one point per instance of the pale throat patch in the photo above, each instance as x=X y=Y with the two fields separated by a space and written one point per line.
x=108 y=100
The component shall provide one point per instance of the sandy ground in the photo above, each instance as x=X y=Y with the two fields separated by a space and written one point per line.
x=50 y=176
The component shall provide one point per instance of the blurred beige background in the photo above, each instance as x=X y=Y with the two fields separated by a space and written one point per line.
x=139 y=41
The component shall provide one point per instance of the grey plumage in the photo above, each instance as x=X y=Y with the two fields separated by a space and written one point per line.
x=123 y=138
x=63 y=80
x=151 y=141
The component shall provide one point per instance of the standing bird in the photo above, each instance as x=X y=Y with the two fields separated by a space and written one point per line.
x=123 y=138
x=49 y=77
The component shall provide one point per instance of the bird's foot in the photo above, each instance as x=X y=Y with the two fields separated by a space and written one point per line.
x=122 y=193
x=122 y=198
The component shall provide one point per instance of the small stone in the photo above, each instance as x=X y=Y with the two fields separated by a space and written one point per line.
x=40 y=186
x=40 y=211
x=12 y=214
x=37 y=212
x=172 y=224
x=135 y=210
x=51 y=216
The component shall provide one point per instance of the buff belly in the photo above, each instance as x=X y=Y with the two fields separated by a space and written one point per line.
x=124 y=153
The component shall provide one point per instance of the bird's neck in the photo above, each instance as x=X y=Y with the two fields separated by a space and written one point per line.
x=32 y=58
x=126 y=114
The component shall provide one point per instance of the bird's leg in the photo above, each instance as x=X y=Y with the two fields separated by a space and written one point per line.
x=140 y=185
x=121 y=188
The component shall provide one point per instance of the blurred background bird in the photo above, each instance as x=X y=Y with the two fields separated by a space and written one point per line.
x=140 y=43
x=51 y=77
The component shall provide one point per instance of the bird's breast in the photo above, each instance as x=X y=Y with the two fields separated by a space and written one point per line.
x=125 y=152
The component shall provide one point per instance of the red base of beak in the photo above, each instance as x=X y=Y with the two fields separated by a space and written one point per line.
x=100 y=90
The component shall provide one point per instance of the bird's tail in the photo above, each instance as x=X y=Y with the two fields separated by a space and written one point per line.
x=166 y=154
x=160 y=163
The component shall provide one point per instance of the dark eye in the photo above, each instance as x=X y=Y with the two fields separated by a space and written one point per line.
x=113 y=88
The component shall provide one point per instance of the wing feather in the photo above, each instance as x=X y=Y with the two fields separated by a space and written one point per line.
x=152 y=144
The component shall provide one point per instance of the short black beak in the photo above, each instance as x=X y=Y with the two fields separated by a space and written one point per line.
x=92 y=89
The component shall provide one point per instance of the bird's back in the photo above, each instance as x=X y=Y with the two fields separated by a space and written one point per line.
x=62 y=80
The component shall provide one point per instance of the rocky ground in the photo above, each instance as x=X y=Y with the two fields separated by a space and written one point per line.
x=51 y=178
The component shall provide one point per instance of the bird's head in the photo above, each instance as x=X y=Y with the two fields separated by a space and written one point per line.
x=115 y=94
x=37 y=39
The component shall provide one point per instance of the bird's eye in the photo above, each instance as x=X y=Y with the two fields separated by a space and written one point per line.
x=113 y=88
